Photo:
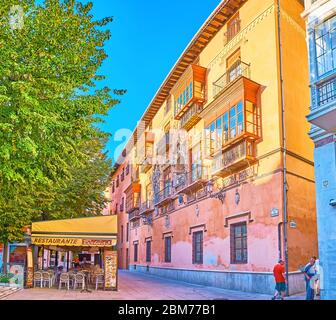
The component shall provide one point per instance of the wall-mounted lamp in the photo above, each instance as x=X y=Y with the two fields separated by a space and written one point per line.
x=220 y=195
x=332 y=203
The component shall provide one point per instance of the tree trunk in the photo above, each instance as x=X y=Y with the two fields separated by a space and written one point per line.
x=5 y=260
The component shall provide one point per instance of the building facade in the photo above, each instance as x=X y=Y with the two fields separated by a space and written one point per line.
x=320 y=16
x=223 y=182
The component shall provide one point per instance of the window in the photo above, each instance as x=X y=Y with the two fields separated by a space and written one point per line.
x=233 y=27
x=136 y=252
x=325 y=43
x=113 y=187
x=168 y=105
x=122 y=234
x=167 y=249
x=127 y=169
x=122 y=204
x=183 y=98
x=196 y=162
x=239 y=243
x=226 y=127
x=127 y=231
x=122 y=174
x=148 y=250
x=117 y=184
x=197 y=247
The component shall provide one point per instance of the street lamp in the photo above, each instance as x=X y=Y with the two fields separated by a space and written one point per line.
x=220 y=195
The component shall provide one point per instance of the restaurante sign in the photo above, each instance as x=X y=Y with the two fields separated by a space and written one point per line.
x=73 y=242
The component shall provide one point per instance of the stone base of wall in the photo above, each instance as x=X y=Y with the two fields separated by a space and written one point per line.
x=254 y=282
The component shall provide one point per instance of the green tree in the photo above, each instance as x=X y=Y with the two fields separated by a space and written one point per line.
x=50 y=104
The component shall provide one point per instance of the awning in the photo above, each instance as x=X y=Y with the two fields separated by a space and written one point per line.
x=82 y=232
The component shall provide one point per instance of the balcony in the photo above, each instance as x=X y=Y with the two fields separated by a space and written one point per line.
x=133 y=202
x=192 y=116
x=163 y=148
x=234 y=158
x=237 y=121
x=323 y=112
x=187 y=181
x=189 y=90
x=147 y=207
x=164 y=196
x=134 y=215
x=239 y=69
x=147 y=161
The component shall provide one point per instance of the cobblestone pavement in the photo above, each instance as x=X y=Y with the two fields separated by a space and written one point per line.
x=137 y=286
x=6 y=291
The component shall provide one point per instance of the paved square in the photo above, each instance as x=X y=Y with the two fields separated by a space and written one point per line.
x=138 y=286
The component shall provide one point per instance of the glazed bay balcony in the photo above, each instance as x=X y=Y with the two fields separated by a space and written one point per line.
x=187 y=181
x=189 y=90
x=234 y=158
x=191 y=116
x=237 y=104
x=323 y=111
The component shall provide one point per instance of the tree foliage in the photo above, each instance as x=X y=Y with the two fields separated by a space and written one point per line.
x=51 y=160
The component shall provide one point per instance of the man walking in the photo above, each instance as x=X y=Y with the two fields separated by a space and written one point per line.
x=280 y=280
x=309 y=272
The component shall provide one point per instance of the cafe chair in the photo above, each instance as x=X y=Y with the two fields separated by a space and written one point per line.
x=47 y=278
x=79 y=280
x=99 y=280
x=64 y=279
x=38 y=279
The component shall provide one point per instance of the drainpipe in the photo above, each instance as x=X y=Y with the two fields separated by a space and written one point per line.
x=284 y=147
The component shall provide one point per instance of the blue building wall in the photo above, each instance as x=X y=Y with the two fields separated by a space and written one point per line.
x=323 y=112
x=325 y=176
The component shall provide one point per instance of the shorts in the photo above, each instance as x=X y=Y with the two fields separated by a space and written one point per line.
x=280 y=287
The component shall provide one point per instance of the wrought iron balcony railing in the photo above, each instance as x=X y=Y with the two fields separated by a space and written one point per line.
x=184 y=180
x=134 y=215
x=164 y=194
x=234 y=158
x=326 y=93
x=147 y=206
x=239 y=69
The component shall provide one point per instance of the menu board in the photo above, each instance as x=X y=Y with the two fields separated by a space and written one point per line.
x=30 y=268
x=110 y=263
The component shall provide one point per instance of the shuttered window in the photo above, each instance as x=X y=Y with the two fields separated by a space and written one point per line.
x=198 y=247
x=239 y=243
x=148 y=251
x=167 y=249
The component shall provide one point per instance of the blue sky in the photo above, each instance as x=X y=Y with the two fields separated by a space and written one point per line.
x=148 y=36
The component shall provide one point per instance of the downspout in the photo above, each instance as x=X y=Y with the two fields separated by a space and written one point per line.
x=284 y=147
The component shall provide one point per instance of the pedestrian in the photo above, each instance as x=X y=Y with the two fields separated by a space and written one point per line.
x=280 y=280
x=309 y=272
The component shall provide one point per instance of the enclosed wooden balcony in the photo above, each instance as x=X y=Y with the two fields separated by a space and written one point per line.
x=189 y=90
x=238 y=107
x=132 y=202
x=235 y=158
x=192 y=116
